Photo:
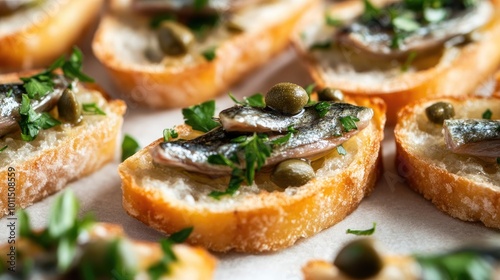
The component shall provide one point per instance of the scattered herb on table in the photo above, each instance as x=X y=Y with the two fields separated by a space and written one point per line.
x=369 y=231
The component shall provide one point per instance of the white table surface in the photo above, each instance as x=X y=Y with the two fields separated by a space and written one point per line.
x=406 y=222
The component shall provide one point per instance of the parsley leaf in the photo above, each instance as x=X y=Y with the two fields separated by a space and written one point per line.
x=487 y=114
x=349 y=123
x=309 y=90
x=321 y=45
x=169 y=133
x=31 y=122
x=237 y=178
x=455 y=265
x=322 y=108
x=409 y=60
x=199 y=117
x=3 y=149
x=92 y=108
x=129 y=147
x=370 y=11
x=282 y=140
x=210 y=53
x=36 y=88
x=331 y=21
x=256 y=100
x=72 y=68
x=182 y=235
x=363 y=232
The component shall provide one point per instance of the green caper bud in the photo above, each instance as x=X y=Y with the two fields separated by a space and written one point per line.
x=69 y=108
x=440 y=111
x=287 y=98
x=330 y=94
x=292 y=173
x=359 y=259
x=174 y=38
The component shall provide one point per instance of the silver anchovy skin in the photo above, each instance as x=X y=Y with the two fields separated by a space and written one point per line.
x=313 y=138
x=187 y=5
x=476 y=137
x=9 y=104
x=376 y=42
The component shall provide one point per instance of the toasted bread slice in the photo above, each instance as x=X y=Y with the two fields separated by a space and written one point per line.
x=455 y=71
x=123 y=38
x=192 y=262
x=260 y=217
x=465 y=187
x=35 y=36
x=60 y=154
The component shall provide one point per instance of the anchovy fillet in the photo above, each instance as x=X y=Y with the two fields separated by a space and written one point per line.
x=476 y=137
x=314 y=137
x=375 y=40
x=10 y=101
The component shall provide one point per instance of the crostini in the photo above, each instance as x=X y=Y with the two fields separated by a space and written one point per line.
x=73 y=248
x=54 y=129
x=402 y=51
x=33 y=33
x=365 y=259
x=268 y=173
x=448 y=150
x=162 y=56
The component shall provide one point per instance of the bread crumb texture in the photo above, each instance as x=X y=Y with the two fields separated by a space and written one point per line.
x=466 y=187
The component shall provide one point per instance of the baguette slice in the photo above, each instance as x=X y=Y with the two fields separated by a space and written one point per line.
x=60 y=154
x=36 y=36
x=259 y=217
x=192 y=262
x=457 y=71
x=122 y=39
x=464 y=187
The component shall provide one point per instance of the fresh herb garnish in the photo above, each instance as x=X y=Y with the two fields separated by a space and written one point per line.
x=32 y=122
x=9 y=93
x=362 y=232
x=370 y=12
x=487 y=114
x=341 y=150
x=129 y=147
x=309 y=90
x=169 y=133
x=4 y=147
x=282 y=140
x=92 y=108
x=162 y=267
x=409 y=60
x=349 y=123
x=331 y=21
x=199 y=117
x=210 y=53
x=256 y=150
x=321 y=45
x=322 y=108
x=256 y=100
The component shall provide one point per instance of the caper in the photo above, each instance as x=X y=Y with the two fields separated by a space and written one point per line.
x=359 y=259
x=69 y=108
x=330 y=94
x=287 y=98
x=174 y=38
x=440 y=111
x=292 y=173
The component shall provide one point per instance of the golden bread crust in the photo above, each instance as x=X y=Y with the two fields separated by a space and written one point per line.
x=461 y=186
x=459 y=75
x=50 y=33
x=264 y=221
x=83 y=149
x=192 y=84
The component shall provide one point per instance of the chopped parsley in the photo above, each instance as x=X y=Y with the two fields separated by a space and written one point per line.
x=370 y=12
x=282 y=140
x=256 y=149
x=321 y=45
x=9 y=93
x=349 y=123
x=4 y=147
x=162 y=267
x=362 y=232
x=200 y=117
x=331 y=21
x=309 y=90
x=169 y=133
x=210 y=53
x=92 y=108
x=322 y=108
x=487 y=114
x=409 y=60
x=129 y=147
x=256 y=100
x=32 y=122
x=341 y=150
